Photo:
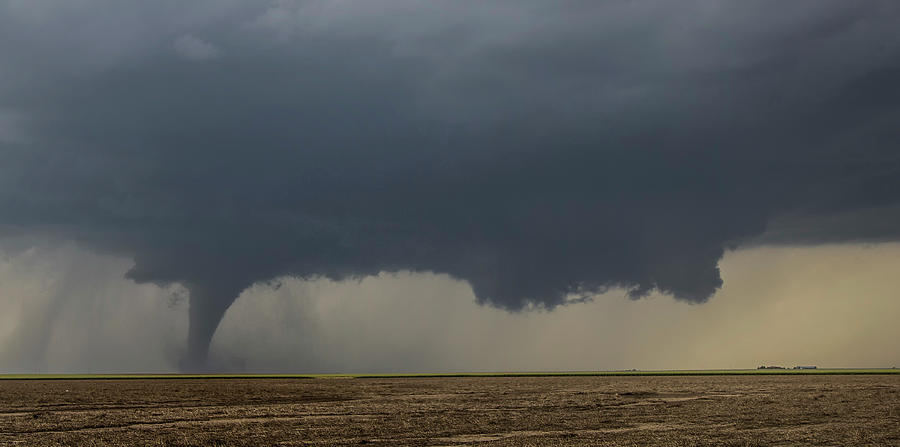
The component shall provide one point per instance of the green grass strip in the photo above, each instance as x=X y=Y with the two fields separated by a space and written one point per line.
x=721 y=372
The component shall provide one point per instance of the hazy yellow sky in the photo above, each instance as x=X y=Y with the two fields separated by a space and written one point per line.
x=829 y=305
x=64 y=309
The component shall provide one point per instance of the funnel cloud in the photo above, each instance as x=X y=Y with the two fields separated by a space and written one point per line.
x=541 y=152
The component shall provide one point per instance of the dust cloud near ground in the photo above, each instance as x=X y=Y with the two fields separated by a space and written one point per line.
x=461 y=411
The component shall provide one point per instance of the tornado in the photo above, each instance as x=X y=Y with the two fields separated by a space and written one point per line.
x=206 y=307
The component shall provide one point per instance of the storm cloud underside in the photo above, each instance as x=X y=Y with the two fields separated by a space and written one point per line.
x=540 y=151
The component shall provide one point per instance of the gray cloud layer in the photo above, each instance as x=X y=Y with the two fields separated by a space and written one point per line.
x=537 y=150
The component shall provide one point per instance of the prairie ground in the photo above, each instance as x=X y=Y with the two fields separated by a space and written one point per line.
x=750 y=410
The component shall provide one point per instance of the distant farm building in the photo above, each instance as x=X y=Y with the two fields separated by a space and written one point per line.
x=804 y=367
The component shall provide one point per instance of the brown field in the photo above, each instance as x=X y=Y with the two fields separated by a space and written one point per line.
x=498 y=411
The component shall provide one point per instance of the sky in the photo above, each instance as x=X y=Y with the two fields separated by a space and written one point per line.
x=322 y=186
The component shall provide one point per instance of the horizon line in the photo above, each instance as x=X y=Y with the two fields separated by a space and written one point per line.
x=601 y=373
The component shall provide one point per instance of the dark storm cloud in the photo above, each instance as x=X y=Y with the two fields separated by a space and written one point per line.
x=541 y=151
